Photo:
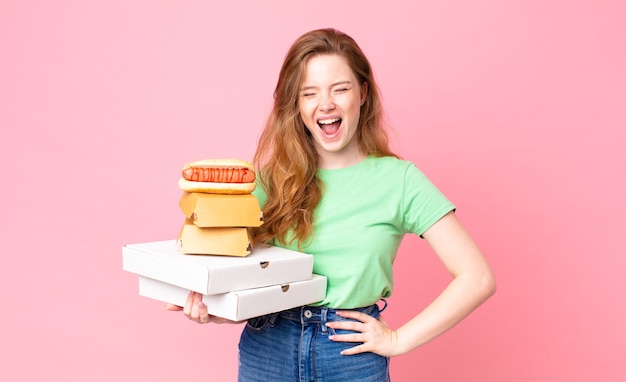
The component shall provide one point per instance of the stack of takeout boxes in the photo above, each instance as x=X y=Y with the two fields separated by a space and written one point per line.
x=218 y=224
x=214 y=256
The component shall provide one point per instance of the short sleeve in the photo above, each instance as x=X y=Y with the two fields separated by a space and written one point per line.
x=424 y=203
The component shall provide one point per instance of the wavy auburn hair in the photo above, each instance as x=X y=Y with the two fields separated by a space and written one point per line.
x=285 y=155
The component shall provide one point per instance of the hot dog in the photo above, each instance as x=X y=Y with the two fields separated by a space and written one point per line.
x=218 y=176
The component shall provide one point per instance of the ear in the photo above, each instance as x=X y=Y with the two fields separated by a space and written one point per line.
x=364 y=90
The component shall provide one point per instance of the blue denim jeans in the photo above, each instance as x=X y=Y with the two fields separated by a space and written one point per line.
x=293 y=346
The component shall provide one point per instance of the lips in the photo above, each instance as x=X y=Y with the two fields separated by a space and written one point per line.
x=329 y=126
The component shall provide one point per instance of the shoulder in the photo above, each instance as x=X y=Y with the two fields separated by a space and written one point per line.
x=394 y=167
x=403 y=176
x=389 y=163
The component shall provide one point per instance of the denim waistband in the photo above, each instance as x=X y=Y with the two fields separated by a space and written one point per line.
x=320 y=314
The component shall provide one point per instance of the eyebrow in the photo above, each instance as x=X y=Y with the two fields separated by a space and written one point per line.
x=331 y=85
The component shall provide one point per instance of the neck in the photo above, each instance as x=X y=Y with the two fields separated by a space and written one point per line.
x=330 y=161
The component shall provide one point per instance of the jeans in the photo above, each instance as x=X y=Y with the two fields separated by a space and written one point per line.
x=293 y=346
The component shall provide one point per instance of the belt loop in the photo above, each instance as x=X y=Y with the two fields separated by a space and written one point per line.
x=302 y=315
x=380 y=310
x=273 y=318
x=324 y=314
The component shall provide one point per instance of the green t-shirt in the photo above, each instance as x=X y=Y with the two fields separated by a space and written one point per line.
x=360 y=221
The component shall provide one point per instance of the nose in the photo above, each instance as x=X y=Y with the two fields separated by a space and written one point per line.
x=326 y=102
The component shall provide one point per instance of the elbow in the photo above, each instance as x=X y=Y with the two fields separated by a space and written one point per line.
x=488 y=285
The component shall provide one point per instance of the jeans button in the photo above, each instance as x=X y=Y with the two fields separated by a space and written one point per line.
x=307 y=314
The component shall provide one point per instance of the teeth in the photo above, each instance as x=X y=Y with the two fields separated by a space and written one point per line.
x=328 y=121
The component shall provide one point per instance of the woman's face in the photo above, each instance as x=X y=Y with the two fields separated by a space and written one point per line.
x=330 y=101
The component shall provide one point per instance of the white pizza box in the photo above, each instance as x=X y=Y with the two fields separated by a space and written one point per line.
x=243 y=304
x=209 y=274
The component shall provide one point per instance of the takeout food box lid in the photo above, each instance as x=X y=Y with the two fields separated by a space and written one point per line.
x=242 y=304
x=224 y=241
x=220 y=210
x=266 y=265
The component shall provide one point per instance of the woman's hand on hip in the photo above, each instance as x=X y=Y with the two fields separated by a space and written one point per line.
x=374 y=334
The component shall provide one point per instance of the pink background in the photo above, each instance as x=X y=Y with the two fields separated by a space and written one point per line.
x=516 y=109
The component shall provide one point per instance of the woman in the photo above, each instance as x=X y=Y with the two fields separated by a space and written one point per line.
x=330 y=186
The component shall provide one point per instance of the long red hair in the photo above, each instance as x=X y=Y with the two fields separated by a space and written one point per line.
x=285 y=155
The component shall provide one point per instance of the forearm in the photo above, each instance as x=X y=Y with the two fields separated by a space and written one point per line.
x=464 y=294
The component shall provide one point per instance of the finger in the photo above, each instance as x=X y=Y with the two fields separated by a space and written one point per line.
x=189 y=303
x=354 y=326
x=355 y=315
x=204 y=315
x=351 y=337
x=172 y=307
x=196 y=307
x=355 y=350
x=201 y=310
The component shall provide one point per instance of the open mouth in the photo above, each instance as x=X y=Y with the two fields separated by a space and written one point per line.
x=329 y=126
